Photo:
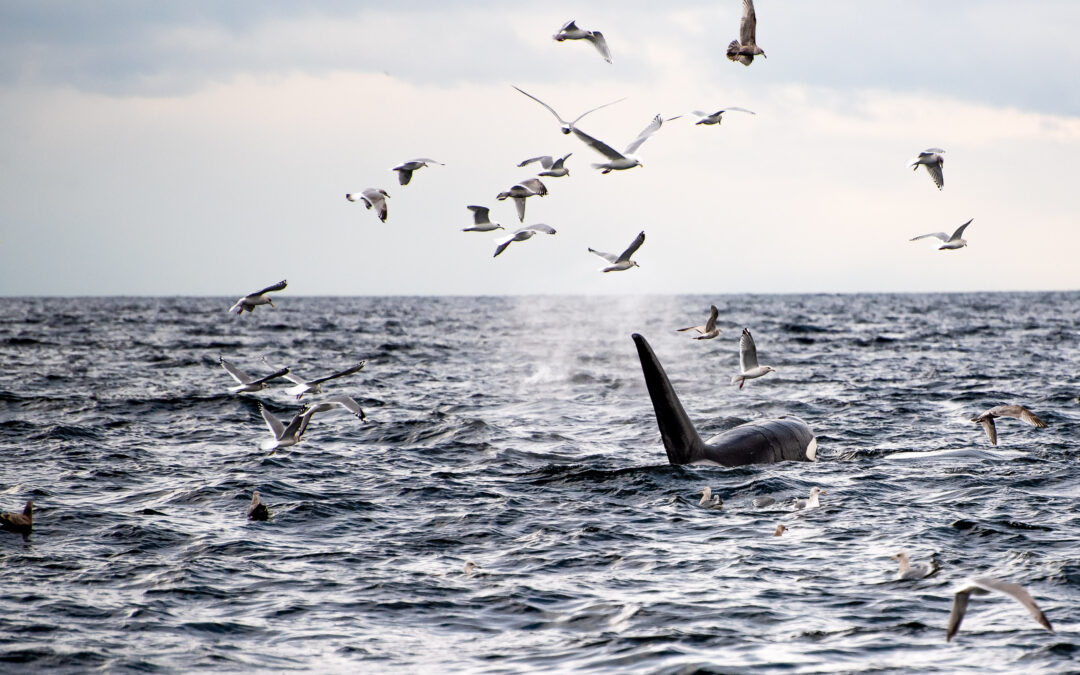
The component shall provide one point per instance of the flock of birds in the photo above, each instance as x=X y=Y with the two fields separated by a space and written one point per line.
x=743 y=50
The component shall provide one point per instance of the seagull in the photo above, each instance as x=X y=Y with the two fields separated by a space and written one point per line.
x=955 y=241
x=570 y=31
x=257 y=510
x=481 y=220
x=522 y=191
x=745 y=48
x=748 y=362
x=909 y=571
x=812 y=502
x=405 y=169
x=622 y=261
x=709 y=500
x=566 y=126
x=779 y=530
x=289 y=435
x=710 y=118
x=984 y=586
x=1016 y=411
x=23 y=523
x=372 y=197
x=335 y=401
x=253 y=300
x=315 y=386
x=521 y=235
x=246 y=384
x=552 y=167
x=619 y=161
x=709 y=330
x=470 y=567
x=930 y=158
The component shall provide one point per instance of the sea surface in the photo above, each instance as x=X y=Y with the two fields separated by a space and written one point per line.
x=516 y=433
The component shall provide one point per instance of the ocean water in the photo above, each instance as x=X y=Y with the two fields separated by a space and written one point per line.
x=516 y=432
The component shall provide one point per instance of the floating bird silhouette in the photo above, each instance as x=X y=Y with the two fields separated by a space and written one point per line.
x=246 y=383
x=532 y=187
x=909 y=571
x=709 y=500
x=985 y=586
x=950 y=242
x=315 y=386
x=780 y=529
x=570 y=31
x=745 y=48
x=761 y=502
x=748 y=362
x=710 y=118
x=372 y=198
x=552 y=167
x=1019 y=412
x=405 y=169
x=930 y=158
x=811 y=502
x=622 y=261
x=566 y=126
x=23 y=523
x=619 y=161
x=257 y=510
x=521 y=235
x=252 y=300
x=709 y=330
x=482 y=220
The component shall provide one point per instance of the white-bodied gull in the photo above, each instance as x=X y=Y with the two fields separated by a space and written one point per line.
x=985 y=586
x=619 y=161
x=372 y=198
x=521 y=235
x=532 y=187
x=709 y=500
x=949 y=242
x=909 y=571
x=315 y=386
x=570 y=31
x=482 y=220
x=252 y=300
x=405 y=169
x=930 y=158
x=748 y=362
x=812 y=502
x=245 y=382
x=552 y=167
x=709 y=330
x=710 y=118
x=622 y=261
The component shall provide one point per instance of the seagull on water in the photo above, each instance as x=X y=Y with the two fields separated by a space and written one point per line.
x=930 y=158
x=748 y=362
x=552 y=167
x=405 y=169
x=566 y=126
x=570 y=31
x=909 y=571
x=521 y=235
x=709 y=500
x=780 y=529
x=622 y=261
x=246 y=383
x=372 y=198
x=532 y=187
x=23 y=523
x=315 y=386
x=745 y=48
x=710 y=118
x=985 y=586
x=257 y=510
x=482 y=220
x=812 y=502
x=1015 y=411
x=619 y=161
x=709 y=330
x=954 y=242
x=252 y=300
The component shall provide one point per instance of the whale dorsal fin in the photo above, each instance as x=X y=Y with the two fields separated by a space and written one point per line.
x=681 y=439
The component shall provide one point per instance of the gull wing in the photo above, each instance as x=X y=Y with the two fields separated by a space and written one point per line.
x=545 y=161
x=987 y=422
x=632 y=248
x=700 y=329
x=404 y=175
x=736 y=108
x=747 y=351
x=960 y=231
x=959 y=606
x=648 y=131
x=349 y=404
x=535 y=185
x=748 y=24
x=480 y=215
x=289 y=375
x=940 y=235
x=597 y=145
x=272 y=423
x=935 y=173
x=348 y=371
x=1016 y=592
x=600 y=43
x=230 y=369
x=272 y=376
x=279 y=286
x=503 y=243
x=592 y=110
x=569 y=25
x=610 y=257
x=378 y=200
x=558 y=164
x=550 y=109
x=1018 y=412
x=519 y=202
x=710 y=325
x=540 y=227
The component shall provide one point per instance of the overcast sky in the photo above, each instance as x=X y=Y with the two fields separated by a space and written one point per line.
x=205 y=148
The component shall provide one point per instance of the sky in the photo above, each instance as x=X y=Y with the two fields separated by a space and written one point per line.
x=205 y=148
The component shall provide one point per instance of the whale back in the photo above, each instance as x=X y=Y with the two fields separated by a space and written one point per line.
x=759 y=442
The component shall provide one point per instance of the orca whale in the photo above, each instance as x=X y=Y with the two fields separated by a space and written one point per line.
x=759 y=442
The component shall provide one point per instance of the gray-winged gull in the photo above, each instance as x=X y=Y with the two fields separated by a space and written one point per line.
x=252 y=300
x=748 y=363
x=622 y=261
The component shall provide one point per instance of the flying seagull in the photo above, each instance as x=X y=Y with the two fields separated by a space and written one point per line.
x=710 y=118
x=252 y=300
x=619 y=161
x=748 y=362
x=521 y=235
x=930 y=158
x=315 y=386
x=257 y=510
x=532 y=187
x=372 y=197
x=1016 y=411
x=570 y=31
x=337 y=401
x=552 y=167
x=812 y=502
x=622 y=261
x=745 y=48
x=23 y=523
x=246 y=383
x=405 y=169
x=984 y=586
x=955 y=241
x=909 y=571
x=482 y=220
x=566 y=126
x=709 y=330
x=285 y=436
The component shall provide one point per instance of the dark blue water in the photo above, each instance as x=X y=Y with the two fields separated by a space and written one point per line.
x=517 y=433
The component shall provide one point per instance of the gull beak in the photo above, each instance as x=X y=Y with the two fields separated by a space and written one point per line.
x=271 y=302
